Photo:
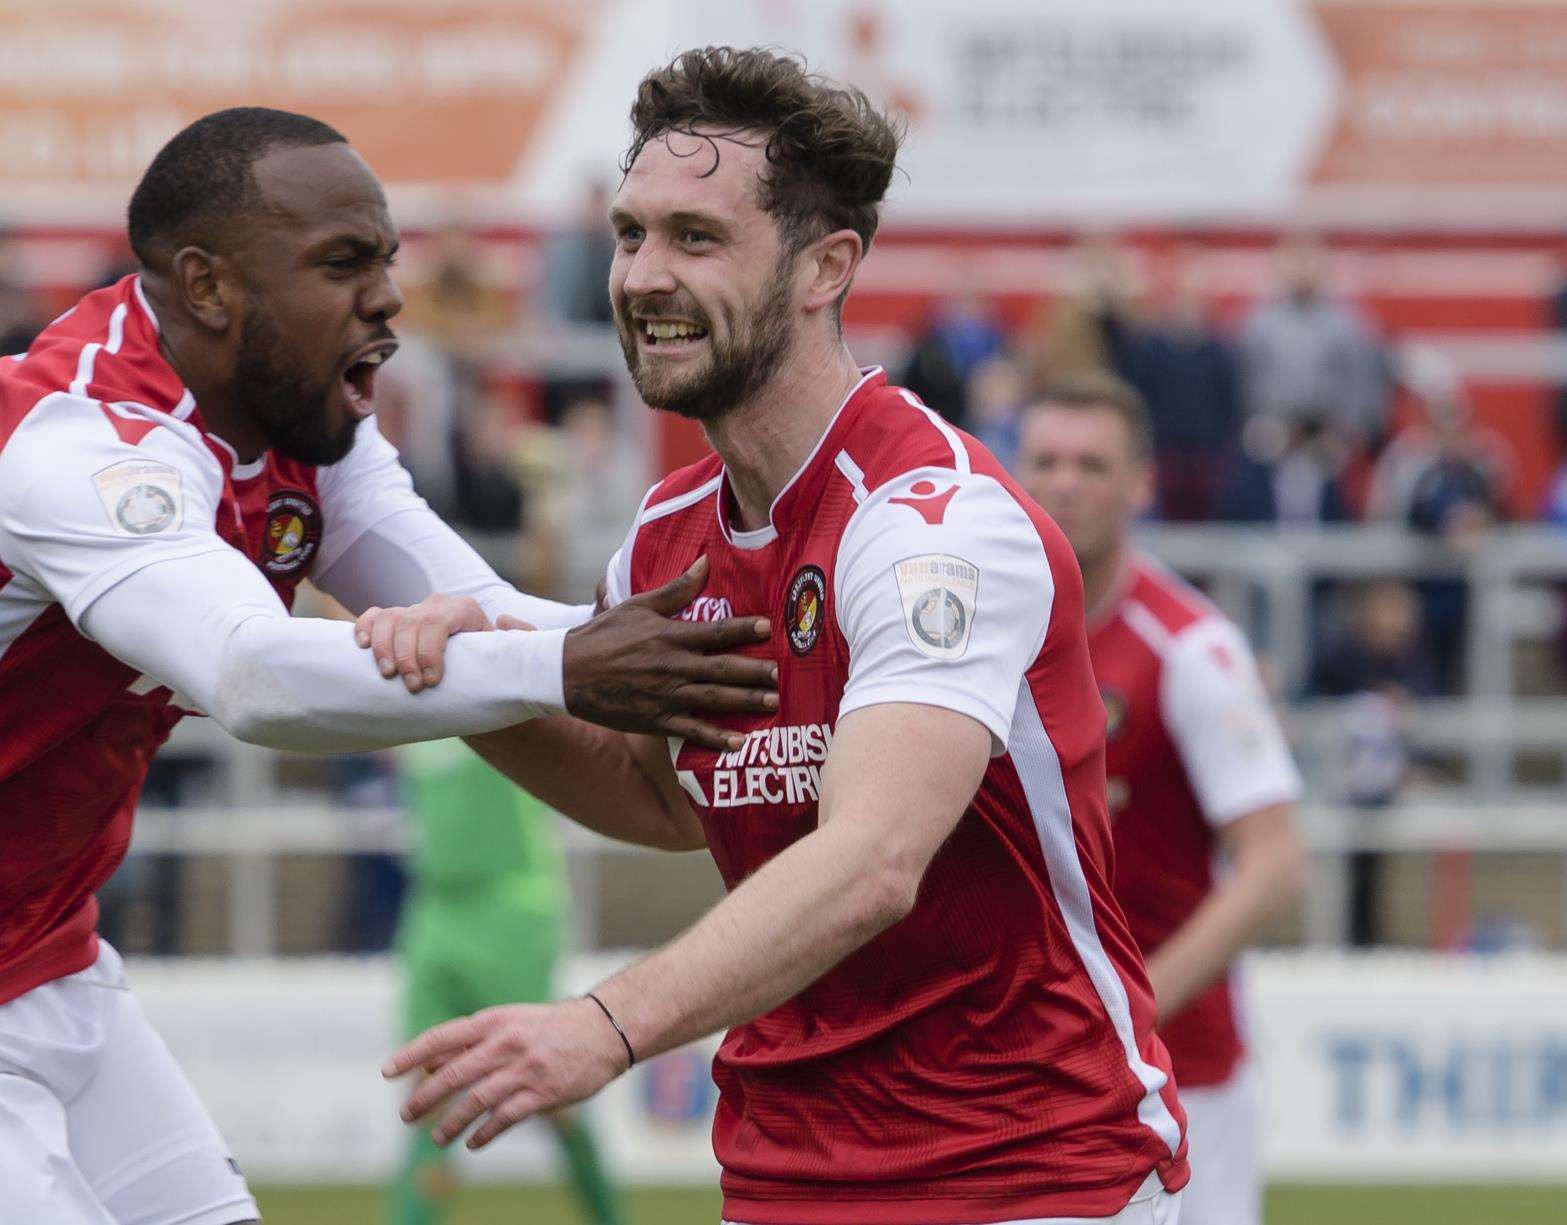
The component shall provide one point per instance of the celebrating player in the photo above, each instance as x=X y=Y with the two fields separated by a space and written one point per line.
x=1197 y=768
x=936 y=1012
x=177 y=453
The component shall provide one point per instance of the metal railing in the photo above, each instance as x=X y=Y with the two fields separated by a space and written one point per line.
x=1263 y=578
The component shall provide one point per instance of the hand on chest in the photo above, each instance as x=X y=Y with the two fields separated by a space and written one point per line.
x=776 y=772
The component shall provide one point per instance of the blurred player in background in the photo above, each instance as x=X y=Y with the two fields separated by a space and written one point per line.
x=482 y=926
x=178 y=452
x=1202 y=789
x=936 y=1012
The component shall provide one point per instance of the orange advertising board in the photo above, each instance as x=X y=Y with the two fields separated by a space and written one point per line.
x=439 y=92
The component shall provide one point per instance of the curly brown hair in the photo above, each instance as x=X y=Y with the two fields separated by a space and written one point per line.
x=830 y=152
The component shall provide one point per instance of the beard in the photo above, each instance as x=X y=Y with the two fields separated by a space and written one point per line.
x=292 y=412
x=736 y=368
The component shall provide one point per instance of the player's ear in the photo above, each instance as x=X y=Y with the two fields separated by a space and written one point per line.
x=831 y=262
x=204 y=289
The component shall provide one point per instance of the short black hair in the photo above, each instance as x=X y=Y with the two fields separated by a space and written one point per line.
x=204 y=175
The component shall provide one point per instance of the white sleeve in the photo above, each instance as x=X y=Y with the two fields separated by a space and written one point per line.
x=367 y=486
x=214 y=631
x=945 y=610
x=1218 y=714
x=382 y=544
x=83 y=504
x=617 y=575
x=414 y=553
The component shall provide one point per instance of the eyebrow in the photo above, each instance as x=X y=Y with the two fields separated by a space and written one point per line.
x=678 y=220
x=359 y=245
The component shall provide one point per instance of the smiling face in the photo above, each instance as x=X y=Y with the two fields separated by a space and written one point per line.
x=704 y=289
x=318 y=300
x=1083 y=466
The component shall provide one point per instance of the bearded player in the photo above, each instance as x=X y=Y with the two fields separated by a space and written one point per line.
x=936 y=1012
x=177 y=453
x=1199 y=773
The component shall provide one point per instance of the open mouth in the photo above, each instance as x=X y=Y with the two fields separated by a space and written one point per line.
x=359 y=376
x=670 y=335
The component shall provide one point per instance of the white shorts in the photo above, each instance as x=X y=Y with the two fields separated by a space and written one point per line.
x=1152 y=1205
x=1221 y=1130
x=98 y=1126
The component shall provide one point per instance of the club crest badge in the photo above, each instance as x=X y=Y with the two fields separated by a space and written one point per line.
x=805 y=608
x=291 y=534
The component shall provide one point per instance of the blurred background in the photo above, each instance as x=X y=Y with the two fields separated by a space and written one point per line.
x=1326 y=239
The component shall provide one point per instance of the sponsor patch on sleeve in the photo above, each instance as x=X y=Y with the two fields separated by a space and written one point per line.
x=938 y=593
x=141 y=497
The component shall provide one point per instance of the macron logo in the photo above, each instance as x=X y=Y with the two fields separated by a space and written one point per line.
x=932 y=506
x=707 y=608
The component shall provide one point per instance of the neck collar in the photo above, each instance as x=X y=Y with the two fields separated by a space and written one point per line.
x=779 y=512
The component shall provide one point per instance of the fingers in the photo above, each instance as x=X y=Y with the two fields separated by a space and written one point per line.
x=717 y=635
x=382 y=630
x=508 y=622
x=439 y=1042
x=726 y=670
x=523 y=1104
x=490 y=1091
x=362 y=625
x=676 y=594
x=697 y=732
x=472 y=1065
x=729 y=698
x=405 y=650
x=430 y=651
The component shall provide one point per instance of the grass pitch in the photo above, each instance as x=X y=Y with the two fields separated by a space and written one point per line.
x=1286 y=1206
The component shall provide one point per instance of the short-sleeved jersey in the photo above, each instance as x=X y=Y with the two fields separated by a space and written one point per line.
x=105 y=468
x=990 y=1057
x=1191 y=745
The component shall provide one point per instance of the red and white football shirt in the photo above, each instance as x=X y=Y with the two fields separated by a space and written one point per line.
x=1191 y=745
x=105 y=468
x=992 y=1056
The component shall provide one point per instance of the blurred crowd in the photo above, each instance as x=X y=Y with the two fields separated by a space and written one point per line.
x=1288 y=409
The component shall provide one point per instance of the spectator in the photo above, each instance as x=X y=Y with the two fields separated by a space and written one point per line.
x=1188 y=375
x=959 y=336
x=996 y=395
x=22 y=317
x=581 y=483
x=574 y=287
x=1287 y=473
x=1443 y=478
x=1444 y=473
x=457 y=306
x=1067 y=338
x=1383 y=649
x=1380 y=665
x=1305 y=352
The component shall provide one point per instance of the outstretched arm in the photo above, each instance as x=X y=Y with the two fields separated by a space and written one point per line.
x=211 y=628
x=897 y=780
x=633 y=795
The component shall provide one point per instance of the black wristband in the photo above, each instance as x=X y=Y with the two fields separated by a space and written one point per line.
x=631 y=1055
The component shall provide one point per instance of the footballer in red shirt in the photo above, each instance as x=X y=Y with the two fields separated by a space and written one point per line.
x=177 y=453
x=1201 y=785
x=936 y=1012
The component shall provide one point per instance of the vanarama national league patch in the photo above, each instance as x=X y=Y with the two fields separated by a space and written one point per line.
x=141 y=496
x=939 y=593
